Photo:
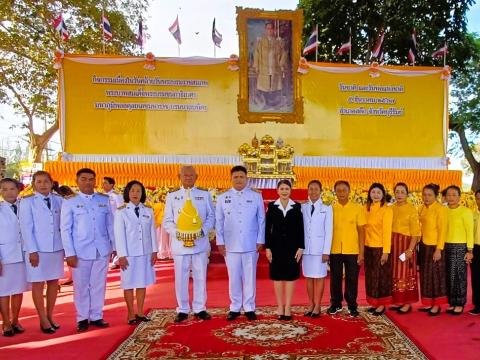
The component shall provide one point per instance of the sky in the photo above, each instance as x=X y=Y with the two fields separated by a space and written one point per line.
x=195 y=18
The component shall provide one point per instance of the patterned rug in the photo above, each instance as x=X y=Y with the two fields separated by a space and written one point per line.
x=303 y=338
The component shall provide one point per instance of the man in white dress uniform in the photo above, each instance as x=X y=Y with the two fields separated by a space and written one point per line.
x=87 y=236
x=116 y=200
x=240 y=230
x=190 y=257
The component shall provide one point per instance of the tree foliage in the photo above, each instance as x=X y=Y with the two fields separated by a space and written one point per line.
x=28 y=39
x=435 y=22
x=465 y=110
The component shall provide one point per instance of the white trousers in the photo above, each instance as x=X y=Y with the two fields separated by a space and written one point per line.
x=198 y=264
x=89 y=283
x=242 y=280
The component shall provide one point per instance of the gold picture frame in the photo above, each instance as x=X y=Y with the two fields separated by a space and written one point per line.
x=274 y=93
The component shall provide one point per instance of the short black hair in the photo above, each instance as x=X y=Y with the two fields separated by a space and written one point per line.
x=110 y=180
x=369 y=198
x=126 y=196
x=477 y=192
x=434 y=187
x=315 y=182
x=10 y=180
x=238 y=168
x=64 y=190
x=340 y=182
x=86 y=171
x=286 y=182
x=454 y=187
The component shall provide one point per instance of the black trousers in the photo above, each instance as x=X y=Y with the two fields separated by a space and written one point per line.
x=475 y=272
x=337 y=261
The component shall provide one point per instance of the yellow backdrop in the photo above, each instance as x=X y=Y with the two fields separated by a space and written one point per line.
x=418 y=132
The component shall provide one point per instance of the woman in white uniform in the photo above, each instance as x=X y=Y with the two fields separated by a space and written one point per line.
x=40 y=226
x=13 y=278
x=318 y=225
x=136 y=244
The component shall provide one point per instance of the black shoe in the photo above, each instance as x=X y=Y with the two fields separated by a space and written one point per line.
x=232 y=315
x=379 y=313
x=457 y=312
x=132 y=322
x=82 y=325
x=315 y=315
x=436 y=313
x=450 y=310
x=403 y=312
x=425 y=309
x=49 y=330
x=475 y=311
x=180 y=317
x=332 y=310
x=371 y=310
x=142 y=318
x=203 y=315
x=8 y=333
x=99 y=323
x=287 y=317
x=251 y=315
x=395 y=307
x=353 y=312
x=307 y=313
x=17 y=329
x=54 y=325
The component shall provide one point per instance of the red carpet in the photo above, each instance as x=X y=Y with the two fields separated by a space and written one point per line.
x=305 y=338
x=443 y=337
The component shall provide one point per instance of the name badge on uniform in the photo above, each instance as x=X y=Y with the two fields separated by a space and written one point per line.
x=102 y=205
x=323 y=212
x=79 y=206
x=146 y=216
x=198 y=197
x=228 y=201
x=249 y=201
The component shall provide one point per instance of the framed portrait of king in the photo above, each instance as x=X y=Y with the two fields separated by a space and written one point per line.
x=269 y=84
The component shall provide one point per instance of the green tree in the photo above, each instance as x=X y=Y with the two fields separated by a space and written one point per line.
x=434 y=21
x=465 y=111
x=28 y=80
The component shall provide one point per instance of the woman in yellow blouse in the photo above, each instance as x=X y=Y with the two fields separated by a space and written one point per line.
x=378 y=264
x=433 y=221
x=458 y=250
x=405 y=235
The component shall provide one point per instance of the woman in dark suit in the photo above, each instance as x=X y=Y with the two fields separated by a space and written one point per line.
x=284 y=242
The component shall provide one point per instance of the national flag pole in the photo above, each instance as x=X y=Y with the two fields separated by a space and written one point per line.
x=316 y=44
x=445 y=54
x=350 y=51
x=103 y=33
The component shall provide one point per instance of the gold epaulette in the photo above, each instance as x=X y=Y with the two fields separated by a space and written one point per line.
x=174 y=189
x=256 y=190
x=115 y=192
x=102 y=194
x=201 y=188
x=70 y=196
x=122 y=207
x=28 y=195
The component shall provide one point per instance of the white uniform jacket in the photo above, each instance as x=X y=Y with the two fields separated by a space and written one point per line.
x=11 y=247
x=87 y=226
x=202 y=201
x=318 y=228
x=135 y=236
x=240 y=220
x=40 y=225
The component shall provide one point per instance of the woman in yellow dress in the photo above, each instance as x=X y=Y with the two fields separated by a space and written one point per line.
x=405 y=235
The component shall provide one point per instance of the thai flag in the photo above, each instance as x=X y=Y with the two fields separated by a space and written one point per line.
x=345 y=48
x=440 y=52
x=60 y=27
x=377 y=51
x=107 y=30
x=312 y=43
x=175 y=31
x=140 y=34
x=216 y=36
x=412 y=52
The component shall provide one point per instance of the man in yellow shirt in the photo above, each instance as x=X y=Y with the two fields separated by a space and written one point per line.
x=475 y=264
x=347 y=249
